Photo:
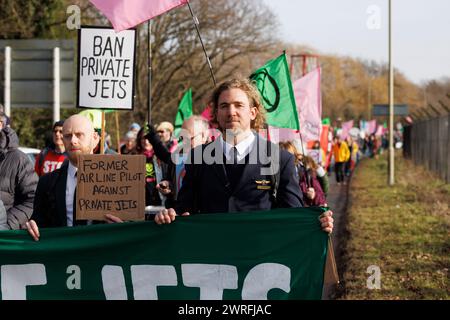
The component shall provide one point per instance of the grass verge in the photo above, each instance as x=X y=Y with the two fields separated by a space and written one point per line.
x=403 y=230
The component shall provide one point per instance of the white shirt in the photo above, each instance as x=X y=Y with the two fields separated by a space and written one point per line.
x=243 y=148
x=71 y=184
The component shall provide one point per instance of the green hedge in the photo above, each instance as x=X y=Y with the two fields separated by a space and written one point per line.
x=34 y=125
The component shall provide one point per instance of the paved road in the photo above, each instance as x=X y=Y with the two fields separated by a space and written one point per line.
x=337 y=201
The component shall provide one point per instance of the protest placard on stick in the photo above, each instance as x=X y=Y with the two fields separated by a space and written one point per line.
x=110 y=184
x=106 y=62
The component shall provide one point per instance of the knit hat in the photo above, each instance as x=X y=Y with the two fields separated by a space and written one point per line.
x=135 y=126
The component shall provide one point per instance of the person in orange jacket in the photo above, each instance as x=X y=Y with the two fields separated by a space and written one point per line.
x=341 y=155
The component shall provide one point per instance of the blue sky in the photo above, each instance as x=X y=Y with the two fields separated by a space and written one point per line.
x=421 y=31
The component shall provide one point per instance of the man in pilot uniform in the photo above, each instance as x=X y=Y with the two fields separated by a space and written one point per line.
x=239 y=171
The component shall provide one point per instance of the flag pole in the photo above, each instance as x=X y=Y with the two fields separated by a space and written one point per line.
x=196 y=23
x=116 y=114
x=149 y=84
x=301 y=142
x=102 y=140
x=291 y=71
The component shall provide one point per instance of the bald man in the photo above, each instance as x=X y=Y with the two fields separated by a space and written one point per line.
x=195 y=132
x=54 y=199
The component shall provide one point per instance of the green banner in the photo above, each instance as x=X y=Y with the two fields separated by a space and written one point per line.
x=278 y=254
x=184 y=111
x=274 y=84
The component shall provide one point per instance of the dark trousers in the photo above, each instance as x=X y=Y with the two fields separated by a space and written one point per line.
x=348 y=165
x=339 y=169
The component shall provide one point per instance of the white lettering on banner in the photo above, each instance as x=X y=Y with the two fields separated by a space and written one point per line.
x=74 y=280
x=212 y=279
x=114 y=283
x=264 y=277
x=15 y=278
x=146 y=278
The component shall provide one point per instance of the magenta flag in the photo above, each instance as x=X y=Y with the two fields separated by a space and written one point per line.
x=207 y=113
x=125 y=14
x=213 y=132
x=309 y=105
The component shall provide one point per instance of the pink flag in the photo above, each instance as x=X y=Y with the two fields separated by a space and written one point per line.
x=282 y=134
x=125 y=14
x=309 y=105
x=371 y=126
x=309 y=109
x=380 y=131
x=346 y=126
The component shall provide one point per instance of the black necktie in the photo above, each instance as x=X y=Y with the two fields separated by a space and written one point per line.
x=233 y=169
x=234 y=155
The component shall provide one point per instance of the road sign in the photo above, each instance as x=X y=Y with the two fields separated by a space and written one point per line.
x=383 y=110
x=32 y=76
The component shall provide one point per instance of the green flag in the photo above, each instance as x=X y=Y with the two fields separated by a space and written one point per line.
x=205 y=256
x=95 y=115
x=326 y=121
x=274 y=83
x=184 y=111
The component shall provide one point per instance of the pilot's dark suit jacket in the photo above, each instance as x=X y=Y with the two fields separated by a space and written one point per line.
x=207 y=187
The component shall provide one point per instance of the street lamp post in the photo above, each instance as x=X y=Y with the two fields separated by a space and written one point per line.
x=391 y=103
x=369 y=99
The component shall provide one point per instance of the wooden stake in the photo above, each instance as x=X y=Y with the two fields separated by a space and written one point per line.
x=117 y=131
x=102 y=140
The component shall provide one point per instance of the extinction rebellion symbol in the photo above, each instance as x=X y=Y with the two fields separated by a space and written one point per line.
x=178 y=126
x=263 y=79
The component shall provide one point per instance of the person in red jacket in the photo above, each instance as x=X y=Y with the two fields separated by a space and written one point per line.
x=52 y=156
x=313 y=194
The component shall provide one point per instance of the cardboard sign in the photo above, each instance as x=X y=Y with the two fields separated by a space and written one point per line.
x=106 y=68
x=112 y=184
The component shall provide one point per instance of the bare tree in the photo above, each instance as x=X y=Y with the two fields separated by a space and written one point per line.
x=236 y=33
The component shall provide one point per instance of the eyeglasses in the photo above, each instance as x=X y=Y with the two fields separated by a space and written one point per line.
x=182 y=138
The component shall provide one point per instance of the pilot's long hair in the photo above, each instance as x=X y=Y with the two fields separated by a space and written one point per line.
x=253 y=95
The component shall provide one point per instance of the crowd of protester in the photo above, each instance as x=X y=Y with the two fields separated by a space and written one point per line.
x=180 y=186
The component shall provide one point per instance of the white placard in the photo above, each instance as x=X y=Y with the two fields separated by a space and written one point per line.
x=106 y=68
